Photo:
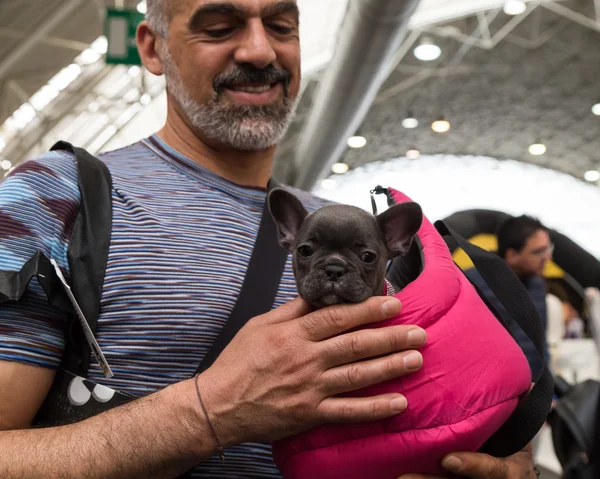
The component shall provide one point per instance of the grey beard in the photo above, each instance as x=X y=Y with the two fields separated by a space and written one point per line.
x=241 y=127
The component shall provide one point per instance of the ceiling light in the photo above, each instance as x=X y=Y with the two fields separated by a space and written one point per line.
x=145 y=99
x=596 y=109
x=100 y=45
x=340 y=168
x=5 y=165
x=357 y=141
x=410 y=122
x=328 y=184
x=592 y=175
x=43 y=97
x=141 y=7
x=537 y=149
x=413 y=154
x=129 y=114
x=65 y=77
x=440 y=126
x=132 y=95
x=88 y=56
x=514 y=7
x=427 y=50
x=25 y=114
x=134 y=71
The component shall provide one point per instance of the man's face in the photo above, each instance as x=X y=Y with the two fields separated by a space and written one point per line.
x=532 y=259
x=233 y=68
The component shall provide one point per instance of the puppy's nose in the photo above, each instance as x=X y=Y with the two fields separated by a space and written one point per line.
x=334 y=272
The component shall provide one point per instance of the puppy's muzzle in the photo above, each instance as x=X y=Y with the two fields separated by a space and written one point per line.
x=335 y=272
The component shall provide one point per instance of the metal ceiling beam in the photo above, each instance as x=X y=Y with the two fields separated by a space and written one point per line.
x=512 y=24
x=18 y=90
x=48 y=40
x=573 y=16
x=539 y=40
x=65 y=9
x=485 y=28
x=401 y=53
x=475 y=40
x=371 y=34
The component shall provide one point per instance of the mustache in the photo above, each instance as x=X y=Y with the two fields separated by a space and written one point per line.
x=248 y=73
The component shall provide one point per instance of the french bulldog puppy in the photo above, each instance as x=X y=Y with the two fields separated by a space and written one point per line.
x=340 y=252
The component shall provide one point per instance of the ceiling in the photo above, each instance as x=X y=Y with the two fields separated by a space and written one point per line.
x=502 y=81
x=500 y=92
x=77 y=24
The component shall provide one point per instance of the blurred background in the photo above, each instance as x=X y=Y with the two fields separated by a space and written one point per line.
x=464 y=105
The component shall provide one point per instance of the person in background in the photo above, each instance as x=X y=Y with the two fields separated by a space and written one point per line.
x=524 y=243
x=573 y=326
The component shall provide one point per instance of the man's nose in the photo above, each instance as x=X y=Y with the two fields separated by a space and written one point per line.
x=255 y=47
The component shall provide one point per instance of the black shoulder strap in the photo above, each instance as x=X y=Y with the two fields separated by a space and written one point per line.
x=530 y=415
x=260 y=284
x=87 y=255
x=88 y=251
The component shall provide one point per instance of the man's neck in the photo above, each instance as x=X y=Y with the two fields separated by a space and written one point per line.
x=247 y=168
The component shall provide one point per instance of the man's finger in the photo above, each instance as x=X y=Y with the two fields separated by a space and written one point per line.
x=371 y=343
x=343 y=410
x=476 y=465
x=359 y=375
x=328 y=322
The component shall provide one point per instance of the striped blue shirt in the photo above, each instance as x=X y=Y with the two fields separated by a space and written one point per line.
x=181 y=242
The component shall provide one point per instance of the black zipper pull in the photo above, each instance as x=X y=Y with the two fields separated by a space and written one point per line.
x=378 y=190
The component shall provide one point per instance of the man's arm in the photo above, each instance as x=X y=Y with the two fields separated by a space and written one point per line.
x=281 y=374
x=161 y=435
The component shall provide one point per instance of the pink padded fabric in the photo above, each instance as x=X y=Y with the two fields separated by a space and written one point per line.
x=473 y=376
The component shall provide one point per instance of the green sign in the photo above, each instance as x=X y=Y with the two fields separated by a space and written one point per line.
x=120 y=28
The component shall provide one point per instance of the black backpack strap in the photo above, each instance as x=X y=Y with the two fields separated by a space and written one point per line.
x=530 y=415
x=88 y=251
x=260 y=286
x=87 y=254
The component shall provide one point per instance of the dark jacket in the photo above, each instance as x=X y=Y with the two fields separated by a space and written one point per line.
x=536 y=287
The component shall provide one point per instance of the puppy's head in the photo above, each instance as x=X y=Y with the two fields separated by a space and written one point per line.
x=340 y=252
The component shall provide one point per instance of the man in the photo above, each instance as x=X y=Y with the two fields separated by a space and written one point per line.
x=186 y=208
x=524 y=243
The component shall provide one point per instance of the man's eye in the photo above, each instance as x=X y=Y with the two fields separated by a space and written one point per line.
x=220 y=32
x=281 y=29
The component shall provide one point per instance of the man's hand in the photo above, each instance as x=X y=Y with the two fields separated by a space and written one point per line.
x=291 y=369
x=482 y=466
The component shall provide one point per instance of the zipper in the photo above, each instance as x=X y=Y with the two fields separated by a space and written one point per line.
x=380 y=190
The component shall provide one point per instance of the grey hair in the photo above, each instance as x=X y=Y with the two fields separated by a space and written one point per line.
x=157 y=16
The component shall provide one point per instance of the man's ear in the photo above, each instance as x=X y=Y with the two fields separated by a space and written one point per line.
x=147 y=43
x=288 y=213
x=399 y=225
x=511 y=256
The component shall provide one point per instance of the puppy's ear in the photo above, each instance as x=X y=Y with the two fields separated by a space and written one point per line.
x=399 y=225
x=288 y=213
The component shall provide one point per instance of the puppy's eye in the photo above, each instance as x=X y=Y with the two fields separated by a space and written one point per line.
x=305 y=251
x=368 y=257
